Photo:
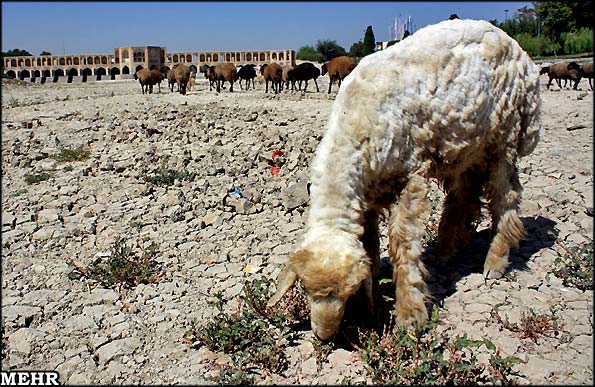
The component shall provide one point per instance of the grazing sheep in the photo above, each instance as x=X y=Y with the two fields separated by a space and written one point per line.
x=562 y=70
x=171 y=79
x=338 y=68
x=149 y=78
x=247 y=73
x=304 y=72
x=225 y=72
x=182 y=77
x=457 y=101
x=587 y=72
x=284 y=76
x=273 y=73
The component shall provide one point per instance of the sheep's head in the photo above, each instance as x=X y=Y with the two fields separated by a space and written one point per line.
x=324 y=69
x=544 y=70
x=330 y=274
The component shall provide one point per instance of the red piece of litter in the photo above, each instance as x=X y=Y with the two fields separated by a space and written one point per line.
x=277 y=153
x=275 y=171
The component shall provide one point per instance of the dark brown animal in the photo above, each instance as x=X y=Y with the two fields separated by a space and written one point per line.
x=587 y=72
x=304 y=72
x=338 y=68
x=171 y=79
x=273 y=73
x=182 y=77
x=225 y=72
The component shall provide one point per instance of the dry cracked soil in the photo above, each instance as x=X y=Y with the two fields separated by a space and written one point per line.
x=212 y=240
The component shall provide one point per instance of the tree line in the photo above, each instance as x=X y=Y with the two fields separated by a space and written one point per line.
x=549 y=28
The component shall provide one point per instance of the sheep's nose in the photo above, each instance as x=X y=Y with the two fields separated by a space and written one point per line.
x=322 y=334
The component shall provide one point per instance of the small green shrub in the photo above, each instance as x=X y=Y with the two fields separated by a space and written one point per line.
x=254 y=336
x=422 y=356
x=575 y=268
x=67 y=154
x=532 y=325
x=125 y=266
x=167 y=177
x=36 y=177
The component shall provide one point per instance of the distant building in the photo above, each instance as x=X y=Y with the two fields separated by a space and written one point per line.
x=126 y=61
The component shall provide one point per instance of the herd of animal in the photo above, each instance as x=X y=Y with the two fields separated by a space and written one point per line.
x=278 y=76
x=568 y=71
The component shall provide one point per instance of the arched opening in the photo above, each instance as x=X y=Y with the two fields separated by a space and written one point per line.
x=175 y=58
x=228 y=57
x=262 y=57
x=216 y=58
x=62 y=62
x=36 y=73
x=189 y=58
x=71 y=74
x=21 y=62
x=11 y=74
x=96 y=60
x=113 y=72
x=153 y=67
x=89 y=60
x=100 y=72
x=13 y=63
x=248 y=57
x=193 y=68
x=58 y=73
x=44 y=62
x=27 y=62
x=104 y=60
x=24 y=74
x=202 y=58
x=138 y=68
x=38 y=61
x=86 y=72
x=125 y=70
x=281 y=56
x=76 y=61
x=68 y=61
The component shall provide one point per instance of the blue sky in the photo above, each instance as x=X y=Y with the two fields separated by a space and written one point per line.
x=99 y=27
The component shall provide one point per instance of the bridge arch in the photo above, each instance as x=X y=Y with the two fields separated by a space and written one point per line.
x=59 y=73
x=125 y=70
x=113 y=72
x=193 y=68
x=138 y=68
x=46 y=73
x=36 y=74
x=73 y=72
x=11 y=74
x=24 y=74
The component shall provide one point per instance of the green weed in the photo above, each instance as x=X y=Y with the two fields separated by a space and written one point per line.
x=576 y=267
x=67 y=154
x=167 y=177
x=36 y=177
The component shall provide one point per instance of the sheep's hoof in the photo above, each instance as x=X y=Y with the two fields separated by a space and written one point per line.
x=492 y=274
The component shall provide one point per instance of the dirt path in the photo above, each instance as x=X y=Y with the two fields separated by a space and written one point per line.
x=95 y=335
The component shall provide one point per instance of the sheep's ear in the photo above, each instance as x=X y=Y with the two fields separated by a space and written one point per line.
x=286 y=279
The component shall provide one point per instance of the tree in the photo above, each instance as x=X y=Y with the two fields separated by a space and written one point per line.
x=329 y=49
x=16 y=52
x=45 y=53
x=453 y=16
x=369 y=41
x=555 y=17
x=357 y=49
x=406 y=34
x=309 y=53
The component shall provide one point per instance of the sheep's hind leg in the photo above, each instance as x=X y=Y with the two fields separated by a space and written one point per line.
x=462 y=208
x=405 y=228
x=504 y=192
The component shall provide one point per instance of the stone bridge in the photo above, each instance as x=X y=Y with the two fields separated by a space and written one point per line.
x=126 y=61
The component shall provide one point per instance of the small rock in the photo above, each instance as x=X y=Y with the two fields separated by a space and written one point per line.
x=296 y=195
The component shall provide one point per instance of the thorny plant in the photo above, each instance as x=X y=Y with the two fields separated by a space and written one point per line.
x=124 y=266
x=532 y=325
x=255 y=337
x=576 y=267
x=67 y=154
x=167 y=177
x=33 y=178
x=423 y=356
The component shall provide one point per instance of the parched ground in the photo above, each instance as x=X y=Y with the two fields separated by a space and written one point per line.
x=210 y=241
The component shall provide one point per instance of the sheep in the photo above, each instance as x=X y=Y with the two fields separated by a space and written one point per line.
x=182 y=77
x=458 y=102
x=148 y=78
x=225 y=72
x=338 y=68
x=171 y=79
x=587 y=72
x=562 y=70
x=273 y=73
x=304 y=72
x=284 y=76
x=247 y=72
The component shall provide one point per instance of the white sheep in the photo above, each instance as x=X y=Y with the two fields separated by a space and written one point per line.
x=457 y=101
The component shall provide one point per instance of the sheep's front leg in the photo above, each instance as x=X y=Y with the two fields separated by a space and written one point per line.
x=462 y=207
x=504 y=192
x=371 y=242
x=405 y=228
